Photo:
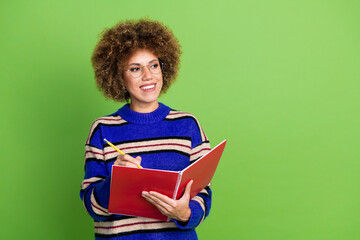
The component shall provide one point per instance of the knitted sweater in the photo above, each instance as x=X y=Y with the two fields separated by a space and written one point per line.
x=165 y=139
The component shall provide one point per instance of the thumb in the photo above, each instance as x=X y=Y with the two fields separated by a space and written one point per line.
x=188 y=188
x=138 y=158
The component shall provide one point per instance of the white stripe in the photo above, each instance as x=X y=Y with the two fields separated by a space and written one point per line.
x=83 y=201
x=202 y=204
x=185 y=142
x=92 y=152
x=125 y=225
x=131 y=220
x=111 y=120
x=93 y=149
x=147 y=146
x=178 y=114
x=200 y=200
x=199 y=151
x=204 y=191
x=89 y=181
x=99 y=210
x=201 y=146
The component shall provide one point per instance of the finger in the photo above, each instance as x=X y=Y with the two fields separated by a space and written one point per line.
x=118 y=160
x=124 y=160
x=162 y=206
x=134 y=161
x=161 y=197
x=129 y=161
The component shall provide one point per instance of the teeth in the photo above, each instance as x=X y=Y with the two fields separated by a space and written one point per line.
x=148 y=87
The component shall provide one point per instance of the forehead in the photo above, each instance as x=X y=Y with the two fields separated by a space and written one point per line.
x=142 y=56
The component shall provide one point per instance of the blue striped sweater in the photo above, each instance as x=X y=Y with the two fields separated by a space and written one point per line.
x=165 y=139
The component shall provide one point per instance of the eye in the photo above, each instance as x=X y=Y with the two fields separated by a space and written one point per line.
x=155 y=65
x=134 y=69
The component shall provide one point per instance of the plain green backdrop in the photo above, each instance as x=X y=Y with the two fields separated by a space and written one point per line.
x=280 y=80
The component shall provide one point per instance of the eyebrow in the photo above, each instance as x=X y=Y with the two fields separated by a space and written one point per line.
x=138 y=64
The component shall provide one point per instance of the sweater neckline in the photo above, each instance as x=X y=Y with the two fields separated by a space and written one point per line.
x=144 y=118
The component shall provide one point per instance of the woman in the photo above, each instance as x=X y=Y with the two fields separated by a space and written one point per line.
x=136 y=61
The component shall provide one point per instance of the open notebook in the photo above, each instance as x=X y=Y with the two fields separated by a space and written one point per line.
x=128 y=183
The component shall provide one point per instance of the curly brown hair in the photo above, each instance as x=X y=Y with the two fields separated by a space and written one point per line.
x=120 y=42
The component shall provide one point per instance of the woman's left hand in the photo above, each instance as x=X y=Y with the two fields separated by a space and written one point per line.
x=175 y=209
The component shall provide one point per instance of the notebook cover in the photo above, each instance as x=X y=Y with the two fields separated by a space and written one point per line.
x=127 y=185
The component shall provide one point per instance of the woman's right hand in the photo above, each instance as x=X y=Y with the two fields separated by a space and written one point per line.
x=127 y=161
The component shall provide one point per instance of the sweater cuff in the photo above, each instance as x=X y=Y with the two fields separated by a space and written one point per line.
x=102 y=192
x=195 y=217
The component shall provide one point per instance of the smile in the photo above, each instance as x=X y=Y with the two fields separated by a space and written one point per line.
x=148 y=87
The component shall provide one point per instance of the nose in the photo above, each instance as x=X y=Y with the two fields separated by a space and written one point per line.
x=147 y=75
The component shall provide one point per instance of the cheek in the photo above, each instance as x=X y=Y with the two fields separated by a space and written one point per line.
x=128 y=83
x=161 y=81
x=125 y=80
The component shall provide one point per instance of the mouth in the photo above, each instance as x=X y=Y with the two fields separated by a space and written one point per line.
x=148 y=87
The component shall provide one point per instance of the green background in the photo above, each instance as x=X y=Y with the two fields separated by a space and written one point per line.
x=278 y=79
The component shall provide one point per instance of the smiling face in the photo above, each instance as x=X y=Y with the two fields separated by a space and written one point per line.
x=145 y=89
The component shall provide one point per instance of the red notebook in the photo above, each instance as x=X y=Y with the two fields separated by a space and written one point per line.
x=128 y=183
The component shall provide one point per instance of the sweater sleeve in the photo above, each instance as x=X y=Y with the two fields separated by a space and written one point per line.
x=200 y=204
x=95 y=188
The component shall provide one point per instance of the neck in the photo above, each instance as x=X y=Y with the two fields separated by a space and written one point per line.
x=144 y=107
x=155 y=116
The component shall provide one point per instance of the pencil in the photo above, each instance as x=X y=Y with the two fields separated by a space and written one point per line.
x=119 y=151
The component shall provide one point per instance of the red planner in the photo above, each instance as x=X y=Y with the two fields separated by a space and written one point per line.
x=128 y=183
